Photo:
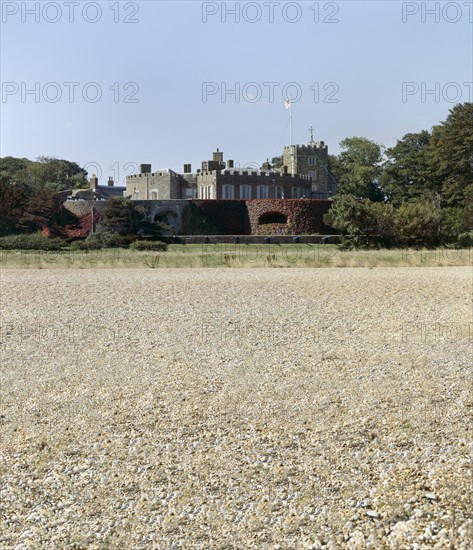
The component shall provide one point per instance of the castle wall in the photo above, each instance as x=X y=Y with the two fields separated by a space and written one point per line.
x=153 y=186
x=228 y=217
x=304 y=217
x=82 y=208
x=164 y=185
x=277 y=184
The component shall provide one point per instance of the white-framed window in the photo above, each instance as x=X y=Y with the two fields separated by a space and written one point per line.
x=279 y=192
x=311 y=160
x=262 y=192
x=245 y=192
x=205 y=192
x=313 y=174
x=154 y=195
x=227 y=191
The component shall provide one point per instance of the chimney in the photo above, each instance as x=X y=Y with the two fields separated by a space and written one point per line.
x=187 y=168
x=94 y=181
x=218 y=156
x=145 y=168
x=110 y=181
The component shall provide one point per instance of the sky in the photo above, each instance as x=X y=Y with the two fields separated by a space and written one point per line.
x=110 y=85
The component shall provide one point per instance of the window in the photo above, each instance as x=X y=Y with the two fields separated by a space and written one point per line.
x=136 y=194
x=205 y=192
x=279 y=192
x=311 y=160
x=154 y=195
x=262 y=192
x=227 y=191
x=313 y=175
x=245 y=192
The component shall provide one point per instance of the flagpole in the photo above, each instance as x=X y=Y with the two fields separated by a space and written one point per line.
x=290 y=122
x=288 y=104
x=290 y=137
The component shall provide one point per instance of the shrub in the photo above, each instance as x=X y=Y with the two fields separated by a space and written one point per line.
x=364 y=222
x=149 y=245
x=418 y=224
x=465 y=240
x=87 y=244
x=110 y=240
x=96 y=241
x=31 y=242
x=455 y=222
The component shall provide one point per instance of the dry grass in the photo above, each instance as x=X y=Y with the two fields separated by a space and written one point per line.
x=236 y=256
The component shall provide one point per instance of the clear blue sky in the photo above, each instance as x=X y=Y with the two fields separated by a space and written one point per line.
x=361 y=52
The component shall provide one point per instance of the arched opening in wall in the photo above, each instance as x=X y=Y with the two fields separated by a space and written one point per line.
x=272 y=217
x=169 y=218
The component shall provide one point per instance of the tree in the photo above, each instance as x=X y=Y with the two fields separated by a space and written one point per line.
x=42 y=209
x=59 y=173
x=13 y=201
x=418 y=224
x=363 y=221
x=10 y=166
x=454 y=222
x=358 y=168
x=122 y=216
x=407 y=174
x=56 y=174
x=450 y=154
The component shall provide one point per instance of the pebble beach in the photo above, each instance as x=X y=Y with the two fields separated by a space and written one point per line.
x=236 y=408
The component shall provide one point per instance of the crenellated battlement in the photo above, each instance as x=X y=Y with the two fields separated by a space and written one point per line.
x=307 y=147
x=304 y=171
x=276 y=176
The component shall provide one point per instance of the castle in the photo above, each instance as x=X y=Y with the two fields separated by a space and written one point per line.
x=187 y=203
x=304 y=174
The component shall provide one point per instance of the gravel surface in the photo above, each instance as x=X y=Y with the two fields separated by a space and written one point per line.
x=265 y=408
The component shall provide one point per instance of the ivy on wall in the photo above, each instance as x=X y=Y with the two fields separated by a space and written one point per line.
x=304 y=217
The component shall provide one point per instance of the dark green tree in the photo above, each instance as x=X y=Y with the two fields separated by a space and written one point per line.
x=407 y=174
x=59 y=173
x=418 y=223
x=13 y=202
x=450 y=154
x=122 y=216
x=358 y=168
x=42 y=209
x=56 y=174
x=363 y=221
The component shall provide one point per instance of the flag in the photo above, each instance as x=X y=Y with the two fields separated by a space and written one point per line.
x=287 y=103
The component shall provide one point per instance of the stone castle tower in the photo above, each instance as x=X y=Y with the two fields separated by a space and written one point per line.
x=311 y=160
